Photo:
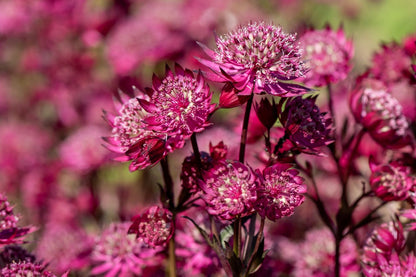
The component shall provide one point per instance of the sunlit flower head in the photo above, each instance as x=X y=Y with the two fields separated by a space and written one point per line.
x=328 y=54
x=179 y=104
x=118 y=254
x=380 y=113
x=258 y=57
x=150 y=125
x=154 y=226
x=230 y=190
x=280 y=192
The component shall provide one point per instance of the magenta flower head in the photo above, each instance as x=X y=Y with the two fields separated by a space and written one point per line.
x=118 y=254
x=154 y=226
x=230 y=190
x=328 y=54
x=25 y=269
x=257 y=58
x=380 y=114
x=392 y=182
x=178 y=105
x=10 y=233
x=279 y=192
x=150 y=125
x=305 y=126
x=383 y=241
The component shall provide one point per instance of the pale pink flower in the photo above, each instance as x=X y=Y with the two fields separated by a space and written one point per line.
x=380 y=114
x=279 y=192
x=317 y=255
x=154 y=226
x=328 y=54
x=117 y=254
x=229 y=190
x=257 y=57
x=81 y=152
x=64 y=247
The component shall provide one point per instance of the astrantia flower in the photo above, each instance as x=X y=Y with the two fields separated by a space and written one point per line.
x=280 y=192
x=328 y=54
x=190 y=173
x=316 y=255
x=16 y=254
x=380 y=113
x=391 y=182
x=384 y=240
x=391 y=64
x=118 y=254
x=179 y=104
x=25 y=269
x=151 y=125
x=382 y=252
x=258 y=57
x=154 y=226
x=130 y=137
x=304 y=124
x=10 y=233
x=230 y=190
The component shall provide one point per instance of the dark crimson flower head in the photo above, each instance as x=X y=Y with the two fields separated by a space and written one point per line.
x=25 y=268
x=305 y=126
x=380 y=113
x=258 y=57
x=154 y=226
x=328 y=54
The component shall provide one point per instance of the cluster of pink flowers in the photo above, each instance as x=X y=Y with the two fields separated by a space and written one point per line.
x=280 y=155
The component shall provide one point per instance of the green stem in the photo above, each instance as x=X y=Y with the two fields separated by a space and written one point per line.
x=172 y=256
x=167 y=178
x=195 y=148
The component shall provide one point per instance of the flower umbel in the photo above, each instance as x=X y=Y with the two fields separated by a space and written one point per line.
x=230 y=190
x=258 y=57
x=154 y=227
x=328 y=54
x=280 y=192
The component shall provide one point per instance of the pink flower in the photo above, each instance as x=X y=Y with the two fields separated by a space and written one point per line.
x=328 y=54
x=230 y=190
x=118 y=254
x=384 y=240
x=391 y=182
x=25 y=269
x=151 y=125
x=380 y=113
x=10 y=233
x=305 y=126
x=64 y=247
x=154 y=226
x=81 y=152
x=315 y=255
x=280 y=192
x=257 y=57
x=391 y=64
x=178 y=105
